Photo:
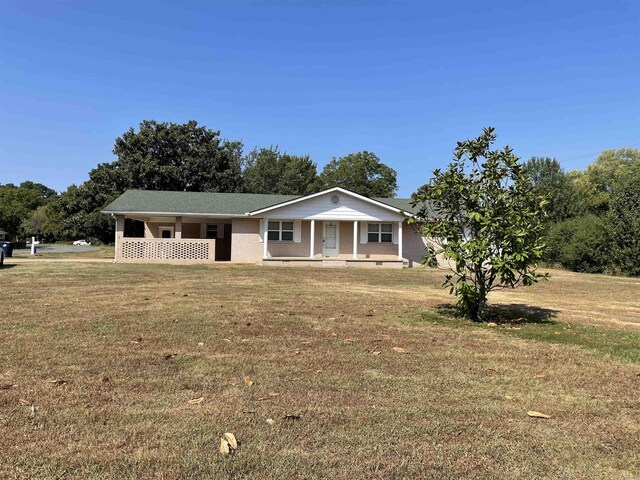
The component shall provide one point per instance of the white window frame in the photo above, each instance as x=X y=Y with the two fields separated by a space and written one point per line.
x=379 y=233
x=280 y=230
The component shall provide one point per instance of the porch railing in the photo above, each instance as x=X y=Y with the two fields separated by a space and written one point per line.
x=165 y=250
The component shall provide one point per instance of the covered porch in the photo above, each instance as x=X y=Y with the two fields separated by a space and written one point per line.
x=332 y=243
x=172 y=239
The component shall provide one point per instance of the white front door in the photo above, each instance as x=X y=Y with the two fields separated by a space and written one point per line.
x=330 y=239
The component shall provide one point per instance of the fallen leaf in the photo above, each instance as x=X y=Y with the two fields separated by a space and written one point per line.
x=376 y=353
x=347 y=341
x=539 y=375
x=105 y=379
x=332 y=318
x=508 y=397
x=492 y=370
x=226 y=340
x=47 y=304
x=271 y=421
x=370 y=313
x=8 y=386
x=269 y=396
x=231 y=439
x=195 y=401
x=292 y=417
x=201 y=344
x=305 y=343
x=169 y=356
x=273 y=394
x=24 y=402
x=399 y=350
x=58 y=382
x=492 y=324
x=531 y=413
x=224 y=447
x=297 y=351
x=248 y=381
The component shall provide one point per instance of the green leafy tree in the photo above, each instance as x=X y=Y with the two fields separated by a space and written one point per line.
x=552 y=182
x=484 y=218
x=18 y=202
x=580 y=244
x=360 y=172
x=266 y=170
x=624 y=221
x=595 y=184
x=159 y=156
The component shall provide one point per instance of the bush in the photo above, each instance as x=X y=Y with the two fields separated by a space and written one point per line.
x=580 y=244
x=624 y=221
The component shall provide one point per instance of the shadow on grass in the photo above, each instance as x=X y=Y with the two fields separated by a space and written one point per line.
x=513 y=314
x=5 y=266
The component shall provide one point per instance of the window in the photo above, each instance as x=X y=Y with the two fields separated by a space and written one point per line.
x=212 y=231
x=280 y=231
x=380 y=233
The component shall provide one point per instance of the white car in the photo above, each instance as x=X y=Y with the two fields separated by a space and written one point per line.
x=81 y=242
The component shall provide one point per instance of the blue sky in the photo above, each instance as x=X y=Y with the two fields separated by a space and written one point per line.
x=403 y=79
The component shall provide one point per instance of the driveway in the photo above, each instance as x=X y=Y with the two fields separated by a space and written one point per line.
x=55 y=248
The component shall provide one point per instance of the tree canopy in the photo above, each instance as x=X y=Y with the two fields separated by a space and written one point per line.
x=17 y=203
x=487 y=222
x=267 y=170
x=360 y=172
x=552 y=182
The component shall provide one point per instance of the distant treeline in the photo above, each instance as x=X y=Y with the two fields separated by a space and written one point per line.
x=592 y=222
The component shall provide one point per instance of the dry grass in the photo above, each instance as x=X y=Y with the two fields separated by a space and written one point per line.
x=453 y=406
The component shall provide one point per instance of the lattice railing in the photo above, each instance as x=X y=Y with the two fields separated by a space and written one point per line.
x=170 y=250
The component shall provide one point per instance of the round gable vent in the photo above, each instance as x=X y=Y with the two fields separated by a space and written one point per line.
x=335 y=199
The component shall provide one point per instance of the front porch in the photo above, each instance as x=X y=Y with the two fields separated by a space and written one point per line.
x=332 y=242
x=172 y=239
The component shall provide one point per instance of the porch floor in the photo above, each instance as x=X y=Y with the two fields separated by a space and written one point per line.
x=335 y=262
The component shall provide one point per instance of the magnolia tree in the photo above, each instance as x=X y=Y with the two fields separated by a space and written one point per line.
x=484 y=219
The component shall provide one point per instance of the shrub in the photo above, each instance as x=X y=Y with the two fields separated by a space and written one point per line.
x=580 y=244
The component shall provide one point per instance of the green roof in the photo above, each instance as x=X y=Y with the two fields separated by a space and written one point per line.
x=209 y=203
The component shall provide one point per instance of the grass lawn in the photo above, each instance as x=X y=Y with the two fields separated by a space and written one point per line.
x=98 y=363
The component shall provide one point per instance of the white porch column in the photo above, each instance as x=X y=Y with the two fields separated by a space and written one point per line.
x=265 y=238
x=400 y=240
x=119 y=235
x=355 y=239
x=312 y=239
x=177 y=233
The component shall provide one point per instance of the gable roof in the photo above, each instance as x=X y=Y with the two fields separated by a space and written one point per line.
x=324 y=192
x=218 y=204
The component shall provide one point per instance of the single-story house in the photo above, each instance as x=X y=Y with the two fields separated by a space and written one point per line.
x=335 y=227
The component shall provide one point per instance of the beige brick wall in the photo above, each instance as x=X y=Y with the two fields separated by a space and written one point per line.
x=245 y=240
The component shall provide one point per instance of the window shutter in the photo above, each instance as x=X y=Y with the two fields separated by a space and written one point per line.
x=297 y=231
x=220 y=230
x=364 y=228
x=396 y=228
x=203 y=230
x=261 y=230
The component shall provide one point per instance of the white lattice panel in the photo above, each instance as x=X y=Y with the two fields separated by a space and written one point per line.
x=147 y=250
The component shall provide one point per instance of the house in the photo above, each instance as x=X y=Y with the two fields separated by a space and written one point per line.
x=335 y=227
x=3 y=234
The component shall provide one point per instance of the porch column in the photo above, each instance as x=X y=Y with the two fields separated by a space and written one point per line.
x=312 y=239
x=400 y=240
x=265 y=238
x=119 y=235
x=355 y=239
x=177 y=233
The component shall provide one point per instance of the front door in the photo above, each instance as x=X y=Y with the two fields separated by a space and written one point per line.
x=330 y=239
x=166 y=232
